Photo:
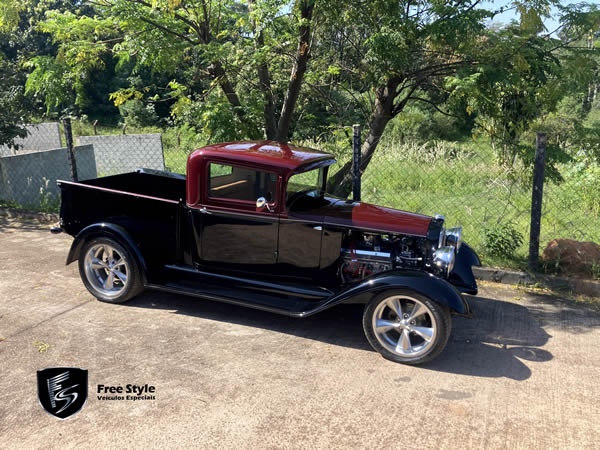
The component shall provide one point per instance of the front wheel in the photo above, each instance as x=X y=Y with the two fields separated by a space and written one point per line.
x=406 y=327
x=109 y=271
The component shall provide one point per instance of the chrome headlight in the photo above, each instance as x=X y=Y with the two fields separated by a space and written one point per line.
x=454 y=237
x=451 y=236
x=443 y=259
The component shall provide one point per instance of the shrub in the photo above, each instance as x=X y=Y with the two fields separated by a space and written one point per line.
x=501 y=239
x=136 y=114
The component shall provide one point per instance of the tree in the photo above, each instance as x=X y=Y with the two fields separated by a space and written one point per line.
x=399 y=50
x=406 y=49
x=14 y=110
x=219 y=40
x=522 y=77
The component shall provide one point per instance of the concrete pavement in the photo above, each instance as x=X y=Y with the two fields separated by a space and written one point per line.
x=523 y=373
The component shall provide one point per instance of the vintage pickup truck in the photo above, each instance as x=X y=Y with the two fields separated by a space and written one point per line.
x=252 y=225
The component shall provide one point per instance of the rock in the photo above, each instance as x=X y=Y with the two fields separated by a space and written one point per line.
x=572 y=256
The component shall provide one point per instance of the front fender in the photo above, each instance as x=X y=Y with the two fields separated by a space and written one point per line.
x=424 y=283
x=462 y=274
x=109 y=230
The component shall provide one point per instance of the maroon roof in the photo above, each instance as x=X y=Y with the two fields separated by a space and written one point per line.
x=275 y=155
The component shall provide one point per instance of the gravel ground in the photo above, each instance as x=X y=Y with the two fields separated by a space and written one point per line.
x=522 y=374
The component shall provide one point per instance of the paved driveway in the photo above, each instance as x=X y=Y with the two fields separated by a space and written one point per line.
x=523 y=374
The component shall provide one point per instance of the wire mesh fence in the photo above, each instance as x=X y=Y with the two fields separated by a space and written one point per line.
x=40 y=136
x=121 y=153
x=28 y=179
x=465 y=183
x=28 y=175
x=471 y=189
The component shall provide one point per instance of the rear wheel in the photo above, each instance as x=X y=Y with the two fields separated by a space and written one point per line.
x=406 y=327
x=109 y=271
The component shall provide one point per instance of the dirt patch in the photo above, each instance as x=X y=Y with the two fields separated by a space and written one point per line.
x=572 y=257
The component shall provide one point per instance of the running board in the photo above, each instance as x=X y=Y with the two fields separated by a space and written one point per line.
x=174 y=289
x=293 y=300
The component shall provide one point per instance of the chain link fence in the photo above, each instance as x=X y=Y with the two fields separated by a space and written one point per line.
x=41 y=136
x=28 y=179
x=463 y=182
x=471 y=189
x=122 y=153
x=28 y=173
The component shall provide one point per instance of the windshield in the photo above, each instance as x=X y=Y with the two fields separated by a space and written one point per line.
x=305 y=183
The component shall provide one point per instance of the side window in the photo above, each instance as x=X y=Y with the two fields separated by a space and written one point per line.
x=239 y=183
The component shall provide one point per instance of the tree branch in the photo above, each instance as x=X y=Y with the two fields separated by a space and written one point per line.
x=167 y=30
x=421 y=99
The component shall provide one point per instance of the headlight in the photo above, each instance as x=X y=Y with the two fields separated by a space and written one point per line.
x=454 y=237
x=443 y=259
x=451 y=236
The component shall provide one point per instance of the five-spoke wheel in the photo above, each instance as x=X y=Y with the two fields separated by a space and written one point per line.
x=106 y=269
x=109 y=271
x=406 y=327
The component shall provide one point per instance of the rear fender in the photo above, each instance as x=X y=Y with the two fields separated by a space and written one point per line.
x=435 y=288
x=111 y=230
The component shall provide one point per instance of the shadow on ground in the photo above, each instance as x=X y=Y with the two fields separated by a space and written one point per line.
x=497 y=342
x=23 y=225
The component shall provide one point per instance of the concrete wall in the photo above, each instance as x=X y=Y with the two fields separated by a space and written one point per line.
x=125 y=153
x=42 y=136
x=30 y=178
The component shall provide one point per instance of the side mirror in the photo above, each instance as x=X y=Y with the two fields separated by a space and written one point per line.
x=261 y=203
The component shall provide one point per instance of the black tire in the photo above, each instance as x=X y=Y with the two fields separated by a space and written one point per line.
x=436 y=317
x=94 y=276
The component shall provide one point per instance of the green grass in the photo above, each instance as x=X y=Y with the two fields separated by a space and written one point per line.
x=464 y=183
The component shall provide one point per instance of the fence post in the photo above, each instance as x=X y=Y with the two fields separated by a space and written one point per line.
x=70 y=151
x=537 y=194
x=356 y=163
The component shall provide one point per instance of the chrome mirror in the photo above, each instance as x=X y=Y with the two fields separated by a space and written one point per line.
x=261 y=203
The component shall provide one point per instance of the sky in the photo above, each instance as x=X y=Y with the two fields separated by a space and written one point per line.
x=550 y=23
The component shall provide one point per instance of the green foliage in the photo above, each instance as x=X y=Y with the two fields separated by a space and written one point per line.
x=9 y=15
x=501 y=239
x=14 y=110
x=585 y=180
x=50 y=81
x=137 y=114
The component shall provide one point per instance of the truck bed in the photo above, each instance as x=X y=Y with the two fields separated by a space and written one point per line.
x=145 y=204
x=151 y=183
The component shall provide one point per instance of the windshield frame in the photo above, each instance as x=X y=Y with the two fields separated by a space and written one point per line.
x=322 y=167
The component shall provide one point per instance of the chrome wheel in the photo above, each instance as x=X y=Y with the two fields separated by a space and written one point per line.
x=404 y=326
x=106 y=269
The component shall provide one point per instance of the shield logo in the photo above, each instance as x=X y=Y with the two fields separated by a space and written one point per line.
x=62 y=391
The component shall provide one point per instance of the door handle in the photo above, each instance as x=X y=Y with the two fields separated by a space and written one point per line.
x=318 y=228
x=203 y=210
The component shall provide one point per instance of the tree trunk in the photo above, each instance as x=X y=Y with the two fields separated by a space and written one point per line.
x=268 y=103
x=218 y=73
x=341 y=183
x=298 y=70
x=264 y=78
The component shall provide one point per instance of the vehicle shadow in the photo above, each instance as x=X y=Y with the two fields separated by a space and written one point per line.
x=494 y=343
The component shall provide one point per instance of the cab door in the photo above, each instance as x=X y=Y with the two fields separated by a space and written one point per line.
x=234 y=235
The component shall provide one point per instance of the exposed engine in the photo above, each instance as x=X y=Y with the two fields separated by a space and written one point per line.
x=364 y=254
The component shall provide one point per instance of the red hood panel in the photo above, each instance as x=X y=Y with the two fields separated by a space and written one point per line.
x=364 y=215
x=335 y=211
